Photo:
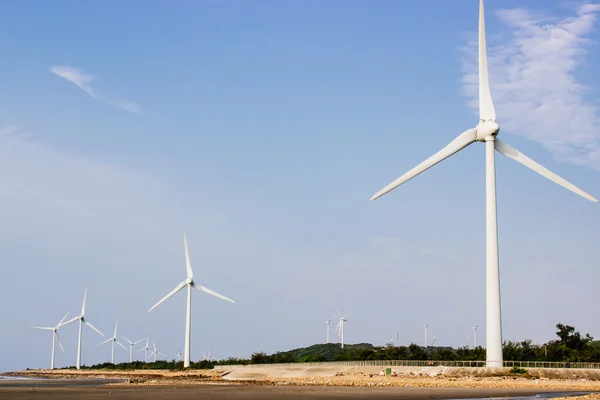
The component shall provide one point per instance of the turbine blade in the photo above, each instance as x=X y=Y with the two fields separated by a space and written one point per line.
x=347 y=314
x=83 y=306
x=188 y=265
x=62 y=320
x=115 y=334
x=106 y=341
x=137 y=341
x=207 y=290
x=128 y=341
x=69 y=321
x=137 y=351
x=171 y=293
x=461 y=141
x=486 y=106
x=43 y=327
x=119 y=343
x=162 y=354
x=93 y=327
x=516 y=155
x=58 y=340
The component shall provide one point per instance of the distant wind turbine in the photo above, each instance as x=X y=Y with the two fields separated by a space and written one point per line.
x=207 y=357
x=155 y=352
x=131 y=344
x=433 y=341
x=340 y=327
x=145 y=349
x=82 y=320
x=55 y=337
x=114 y=340
x=189 y=282
x=426 y=337
x=328 y=323
x=474 y=335
x=486 y=132
x=178 y=355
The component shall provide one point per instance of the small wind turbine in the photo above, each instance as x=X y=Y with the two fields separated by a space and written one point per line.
x=131 y=344
x=145 y=349
x=486 y=132
x=340 y=327
x=474 y=335
x=178 y=355
x=467 y=342
x=426 y=337
x=207 y=357
x=189 y=282
x=55 y=337
x=433 y=341
x=391 y=341
x=155 y=352
x=328 y=323
x=82 y=320
x=114 y=340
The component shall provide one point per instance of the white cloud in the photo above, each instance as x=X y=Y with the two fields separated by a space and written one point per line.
x=84 y=82
x=533 y=85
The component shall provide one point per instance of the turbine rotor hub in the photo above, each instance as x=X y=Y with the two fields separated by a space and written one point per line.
x=487 y=130
x=189 y=281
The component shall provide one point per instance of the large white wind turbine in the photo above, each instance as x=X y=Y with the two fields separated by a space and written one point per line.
x=486 y=132
x=82 y=320
x=131 y=344
x=114 y=340
x=340 y=327
x=55 y=337
x=189 y=282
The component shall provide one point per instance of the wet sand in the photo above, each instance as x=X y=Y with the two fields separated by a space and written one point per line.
x=33 y=389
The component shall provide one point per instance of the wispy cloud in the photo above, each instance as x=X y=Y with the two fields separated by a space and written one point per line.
x=533 y=83
x=84 y=82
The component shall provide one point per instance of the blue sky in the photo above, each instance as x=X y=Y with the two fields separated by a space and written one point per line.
x=262 y=129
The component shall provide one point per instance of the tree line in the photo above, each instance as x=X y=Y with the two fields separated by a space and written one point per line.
x=570 y=346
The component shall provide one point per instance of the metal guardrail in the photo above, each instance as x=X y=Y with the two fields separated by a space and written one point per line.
x=419 y=363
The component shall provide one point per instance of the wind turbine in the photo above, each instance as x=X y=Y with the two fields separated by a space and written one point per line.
x=433 y=339
x=426 y=337
x=328 y=323
x=155 y=352
x=114 y=340
x=474 y=335
x=145 y=348
x=340 y=327
x=131 y=344
x=207 y=357
x=82 y=320
x=178 y=355
x=55 y=337
x=189 y=282
x=486 y=132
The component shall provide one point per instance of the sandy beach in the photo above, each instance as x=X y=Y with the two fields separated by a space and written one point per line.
x=141 y=384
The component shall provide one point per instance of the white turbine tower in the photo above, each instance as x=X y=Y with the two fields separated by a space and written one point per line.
x=82 y=320
x=189 y=282
x=426 y=337
x=145 y=349
x=328 y=323
x=114 y=340
x=131 y=344
x=486 y=132
x=155 y=352
x=55 y=337
x=340 y=327
x=474 y=335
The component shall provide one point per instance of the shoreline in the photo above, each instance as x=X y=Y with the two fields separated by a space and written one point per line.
x=63 y=383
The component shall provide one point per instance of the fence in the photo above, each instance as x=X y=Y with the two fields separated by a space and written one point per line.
x=420 y=363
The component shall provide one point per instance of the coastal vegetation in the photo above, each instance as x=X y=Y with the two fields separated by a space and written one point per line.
x=570 y=346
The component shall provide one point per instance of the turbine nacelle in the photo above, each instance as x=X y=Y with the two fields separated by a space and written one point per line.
x=189 y=281
x=486 y=130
